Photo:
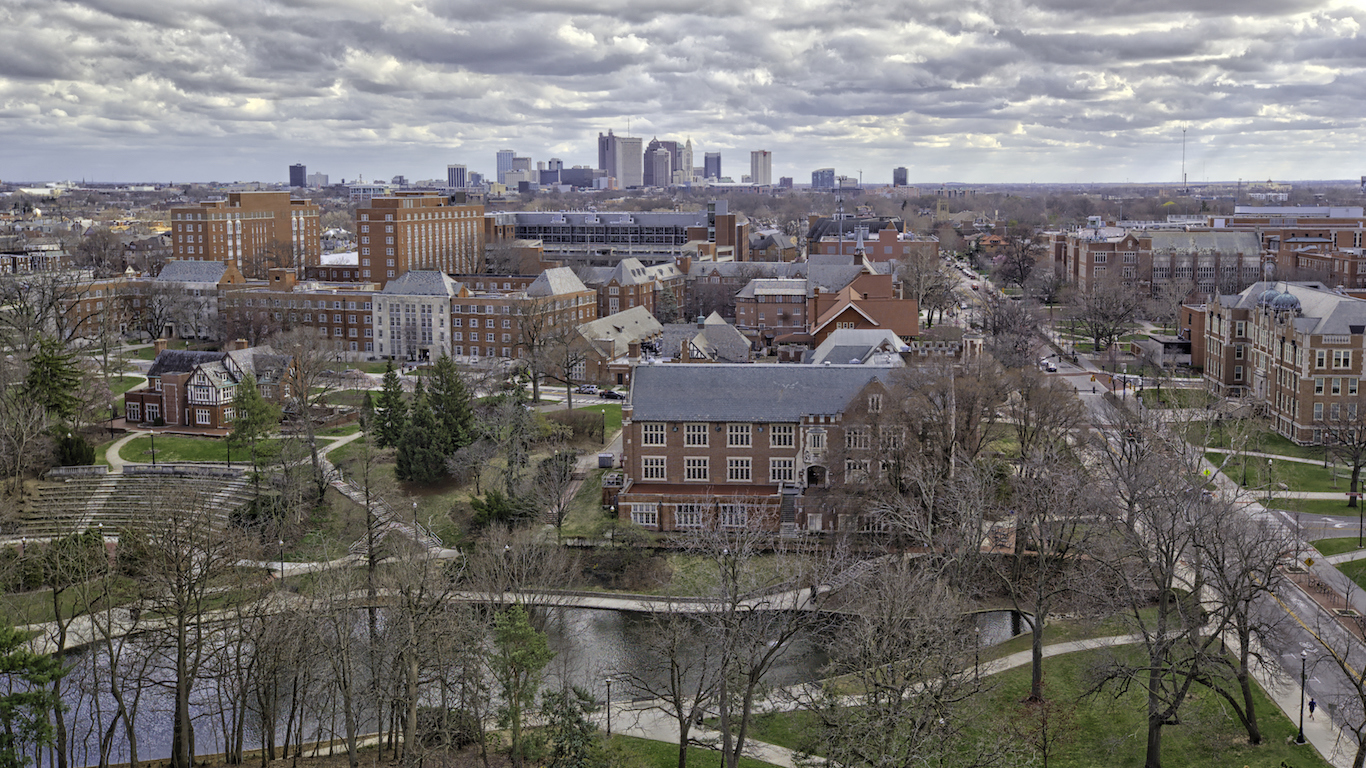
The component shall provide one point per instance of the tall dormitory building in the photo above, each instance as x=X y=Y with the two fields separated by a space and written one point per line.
x=418 y=230
x=254 y=231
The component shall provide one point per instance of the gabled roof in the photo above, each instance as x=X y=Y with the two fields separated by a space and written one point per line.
x=773 y=287
x=1320 y=310
x=423 y=282
x=720 y=341
x=556 y=281
x=192 y=272
x=746 y=392
x=858 y=345
x=180 y=361
x=611 y=335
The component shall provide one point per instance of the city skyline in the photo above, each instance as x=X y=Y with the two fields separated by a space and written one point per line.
x=1047 y=91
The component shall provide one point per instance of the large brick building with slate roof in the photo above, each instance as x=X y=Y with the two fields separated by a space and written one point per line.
x=196 y=389
x=733 y=446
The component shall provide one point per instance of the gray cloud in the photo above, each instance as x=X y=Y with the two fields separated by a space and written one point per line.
x=955 y=89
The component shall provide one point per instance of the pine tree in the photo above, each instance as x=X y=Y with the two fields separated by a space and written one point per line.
x=450 y=402
x=419 y=458
x=53 y=380
x=391 y=413
x=253 y=419
x=367 y=411
x=25 y=725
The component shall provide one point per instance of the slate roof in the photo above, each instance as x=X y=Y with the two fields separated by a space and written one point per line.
x=422 y=282
x=720 y=341
x=1205 y=242
x=555 y=282
x=620 y=329
x=846 y=345
x=192 y=272
x=775 y=287
x=180 y=361
x=827 y=227
x=1322 y=311
x=746 y=392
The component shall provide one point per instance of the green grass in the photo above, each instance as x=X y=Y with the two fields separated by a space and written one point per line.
x=351 y=397
x=1175 y=398
x=35 y=607
x=181 y=448
x=613 y=412
x=631 y=752
x=342 y=431
x=1262 y=441
x=1314 y=506
x=1354 y=570
x=1298 y=476
x=1336 y=546
x=585 y=514
x=120 y=384
x=1109 y=730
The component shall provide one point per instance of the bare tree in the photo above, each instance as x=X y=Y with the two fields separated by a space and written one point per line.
x=102 y=250
x=679 y=673
x=1106 y=309
x=1043 y=410
x=1017 y=261
x=306 y=385
x=1343 y=428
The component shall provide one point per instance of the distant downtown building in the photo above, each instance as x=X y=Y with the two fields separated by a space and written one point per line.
x=622 y=158
x=823 y=178
x=253 y=231
x=761 y=167
x=899 y=177
x=456 y=177
x=712 y=165
x=505 y=163
x=298 y=175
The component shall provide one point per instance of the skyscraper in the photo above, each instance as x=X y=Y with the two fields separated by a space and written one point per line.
x=761 y=167
x=683 y=164
x=658 y=171
x=504 y=162
x=298 y=175
x=456 y=176
x=712 y=165
x=899 y=177
x=622 y=158
x=823 y=178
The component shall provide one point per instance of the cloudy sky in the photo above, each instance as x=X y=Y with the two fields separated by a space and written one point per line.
x=956 y=90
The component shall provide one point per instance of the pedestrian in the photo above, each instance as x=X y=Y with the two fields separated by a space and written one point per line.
x=1313 y=705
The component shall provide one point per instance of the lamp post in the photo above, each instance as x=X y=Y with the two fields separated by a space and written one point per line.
x=609 y=706
x=281 y=542
x=1299 y=737
x=1270 y=479
x=152 y=435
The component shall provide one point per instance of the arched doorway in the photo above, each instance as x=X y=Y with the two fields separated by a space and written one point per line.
x=815 y=476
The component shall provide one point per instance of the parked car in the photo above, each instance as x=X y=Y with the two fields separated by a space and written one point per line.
x=612 y=394
x=586 y=389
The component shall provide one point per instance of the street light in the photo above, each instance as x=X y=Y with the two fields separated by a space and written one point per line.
x=1299 y=737
x=609 y=706
x=281 y=542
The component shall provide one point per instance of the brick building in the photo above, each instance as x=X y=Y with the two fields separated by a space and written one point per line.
x=339 y=312
x=1212 y=261
x=253 y=231
x=632 y=284
x=196 y=389
x=417 y=230
x=736 y=446
x=1294 y=350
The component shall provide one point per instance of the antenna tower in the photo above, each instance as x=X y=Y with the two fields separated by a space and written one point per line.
x=1184 y=187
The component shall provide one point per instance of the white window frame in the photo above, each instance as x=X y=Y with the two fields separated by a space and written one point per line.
x=738 y=436
x=645 y=514
x=653 y=468
x=782 y=470
x=696 y=469
x=652 y=433
x=781 y=436
x=695 y=434
x=739 y=469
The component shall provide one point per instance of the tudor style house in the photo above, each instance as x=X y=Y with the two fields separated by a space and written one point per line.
x=734 y=446
x=196 y=389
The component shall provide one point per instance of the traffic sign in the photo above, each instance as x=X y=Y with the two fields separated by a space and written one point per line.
x=1308 y=561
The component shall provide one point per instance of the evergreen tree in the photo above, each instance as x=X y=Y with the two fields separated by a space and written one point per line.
x=367 y=411
x=253 y=419
x=520 y=652
x=450 y=402
x=391 y=413
x=573 y=735
x=25 y=725
x=54 y=379
x=420 y=459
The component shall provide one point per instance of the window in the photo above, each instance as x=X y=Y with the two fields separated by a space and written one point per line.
x=780 y=435
x=652 y=433
x=695 y=469
x=1337 y=386
x=731 y=516
x=1352 y=387
x=645 y=514
x=815 y=439
x=1318 y=411
x=1342 y=358
x=890 y=438
x=1237 y=351
x=855 y=470
x=652 y=468
x=153 y=411
x=201 y=416
x=1335 y=411
x=781 y=471
x=695 y=434
x=1320 y=359
x=875 y=403
x=134 y=412
x=738 y=470
x=1318 y=385
x=1098 y=258
x=737 y=435
x=688 y=516
x=857 y=439
x=1237 y=373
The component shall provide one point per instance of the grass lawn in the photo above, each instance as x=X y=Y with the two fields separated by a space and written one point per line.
x=120 y=384
x=613 y=412
x=181 y=448
x=1298 y=476
x=1175 y=398
x=1336 y=546
x=1315 y=506
x=585 y=511
x=1265 y=441
x=1354 y=570
x=351 y=397
x=1107 y=730
x=35 y=607
x=342 y=431
x=630 y=752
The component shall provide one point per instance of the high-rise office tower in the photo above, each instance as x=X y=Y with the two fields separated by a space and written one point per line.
x=899 y=177
x=823 y=178
x=298 y=175
x=456 y=176
x=504 y=163
x=761 y=167
x=712 y=165
x=622 y=158
x=658 y=171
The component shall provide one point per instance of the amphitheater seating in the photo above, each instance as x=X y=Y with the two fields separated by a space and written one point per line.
x=140 y=497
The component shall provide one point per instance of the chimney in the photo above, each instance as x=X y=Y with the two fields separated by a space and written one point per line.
x=685 y=355
x=240 y=344
x=633 y=350
x=159 y=346
x=701 y=322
